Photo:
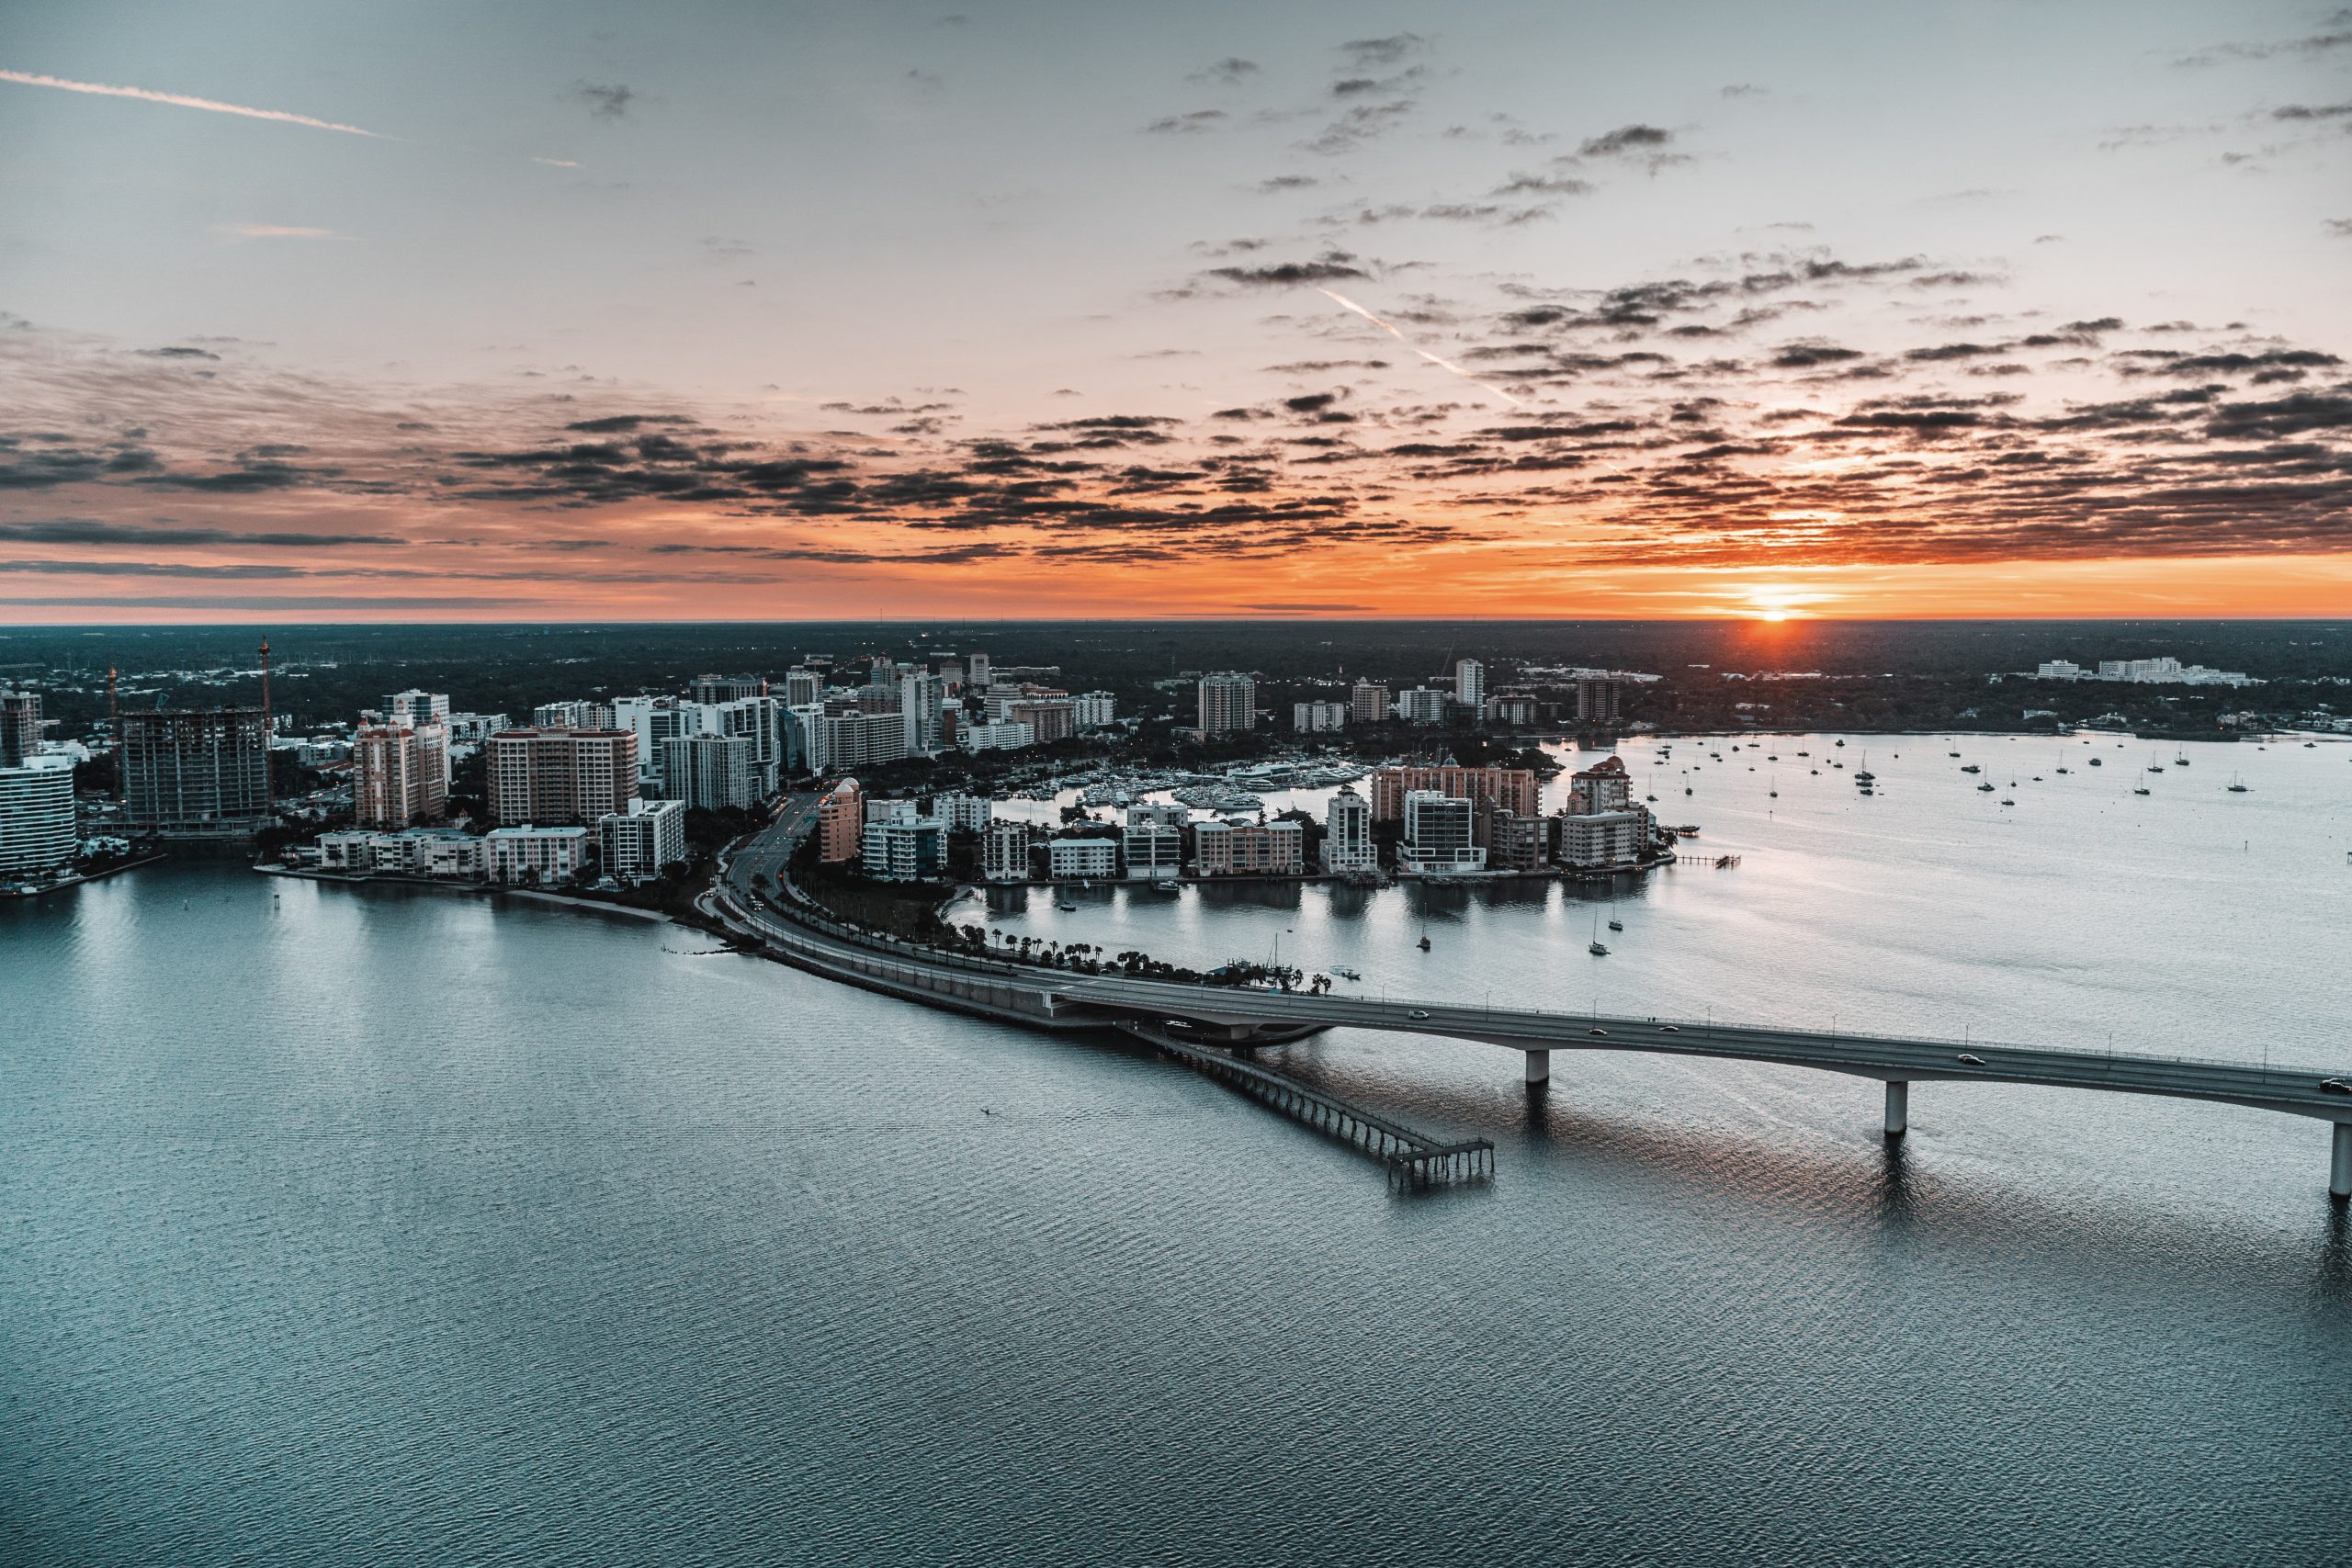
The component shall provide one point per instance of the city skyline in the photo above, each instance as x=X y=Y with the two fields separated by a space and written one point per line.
x=580 y=314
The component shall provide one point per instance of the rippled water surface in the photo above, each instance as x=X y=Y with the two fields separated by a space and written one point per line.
x=360 y=1226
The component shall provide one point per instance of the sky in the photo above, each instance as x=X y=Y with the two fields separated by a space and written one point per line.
x=321 y=311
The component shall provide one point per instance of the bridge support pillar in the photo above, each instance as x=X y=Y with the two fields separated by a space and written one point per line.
x=1898 y=1108
x=2340 y=1174
x=1539 y=1067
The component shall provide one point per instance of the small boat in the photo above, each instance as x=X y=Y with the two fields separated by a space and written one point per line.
x=2006 y=801
x=1168 y=888
x=2236 y=786
x=1344 y=972
x=1689 y=829
x=2180 y=758
x=1841 y=743
x=1986 y=788
x=1425 y=944
x=2141 y=789
x=1067 y=908
x=1969 y=768
x=2094 y=761
x=1596 y=947
x=1616 y=925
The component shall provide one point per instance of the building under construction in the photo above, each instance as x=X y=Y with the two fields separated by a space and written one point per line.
x=191 y=773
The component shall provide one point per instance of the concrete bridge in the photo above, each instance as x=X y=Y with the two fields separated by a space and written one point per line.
x=794 y=928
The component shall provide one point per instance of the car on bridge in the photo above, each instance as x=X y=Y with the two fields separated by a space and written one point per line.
x=1971 y=1061
x=2335 y=1086
x=1599 y=1032
x=1669 y=1029
x=1417 y=1013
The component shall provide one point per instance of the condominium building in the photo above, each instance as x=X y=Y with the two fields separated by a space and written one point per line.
x=1368 y=704
x=1514 y=708
x=20 y=727
x=1228 y=702
x=1422 y=704
x=572 y=716
x=1049 y=718
x=535 y=855
x=560 y=777
x=710 y=772
x=1513 y=787
x=964 y=813
x=1093 y=710
x=1004 y=736
x=864 y=739
x=726 y=688
x=1513 y=842
x=416 y=706
x=1074 y=860
x=1004 y=851
x=400 y=771
x=1348 y=846
x=802 y=687
x=921 y=696
x=1249 y=849
x=1604 y=786
x=412 y=851
x=1469 y=683
x=1599 y=698
x=1440 y=835
x=1167 y=813
x=1313 y=717
x=191 y=773
x=841 y=821
x=37 y=823
x=1602 y=839
x=634 y=845
x=1155 y=851
x=976 y=671
x=904 y=849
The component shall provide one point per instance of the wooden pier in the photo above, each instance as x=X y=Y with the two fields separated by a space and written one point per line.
x=1414 y=1160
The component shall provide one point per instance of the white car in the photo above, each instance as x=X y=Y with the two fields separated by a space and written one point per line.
x=1417 y=1013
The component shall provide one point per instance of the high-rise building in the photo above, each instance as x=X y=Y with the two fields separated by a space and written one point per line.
x=37 y=824
x=1597 y=697
x=921 y=696
x=560 y=777
x=802 y=687
x=1004 y=851
x=761 y=721
x=1515 y=708
x=1513 y=842
x=710 y=772
x=726 y=688
x=1469 y=683
x=804 y=740
x=841 y=822
x=1601 y=838
x=635 y=844
x=1005 y=736
x=1093 y=710
x=1440 y=835
x=1422 y=704
x=416 y=706
x=1314 y=716
x=1513 y=787
x=20 y=727
x=1604 y=786
x=1368 y=704
x=1228 y=702
x=196 y=774
x=864 y=739
x=1348 y=848
x=1048 y=718
x=964 y=813
x=399 y=774
x=975 y=668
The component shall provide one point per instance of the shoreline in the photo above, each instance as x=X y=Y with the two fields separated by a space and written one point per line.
x=61 y=885
x=476 y=889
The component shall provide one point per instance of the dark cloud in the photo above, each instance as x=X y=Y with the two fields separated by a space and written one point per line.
x=178 y=352
x=1183 y=124
x=2306 y=111
x=1373 y=54
x=604 y=100
x=1543 y=185
x=1232 y=69
x=1331 y=266
x=1288 y=181
x=89 y=531
x=1641 y=138
x=2335 y=34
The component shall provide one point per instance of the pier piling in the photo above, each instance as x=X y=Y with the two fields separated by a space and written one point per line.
x=1898 y=1108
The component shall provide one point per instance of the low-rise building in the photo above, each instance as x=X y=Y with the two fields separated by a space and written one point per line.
x=967 y=813
x=531 y=856
x=1249 y=849
x=635 y=844
x=904 y=849
x=1313 y=717
x=1073 y=860
x=1005 y=736
x=1599 y=840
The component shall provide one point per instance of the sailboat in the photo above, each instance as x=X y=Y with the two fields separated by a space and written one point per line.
x=2236 y=785
x=2180 y=758
x=1597 y=948
x=1862 y=775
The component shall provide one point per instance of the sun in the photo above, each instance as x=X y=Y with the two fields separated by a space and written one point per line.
x=1772 y=615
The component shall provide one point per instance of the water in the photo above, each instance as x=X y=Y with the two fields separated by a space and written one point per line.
x=355 y=1225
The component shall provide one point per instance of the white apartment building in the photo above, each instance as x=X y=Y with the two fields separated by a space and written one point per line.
x=1005 y=736
x=37 y=822
x=1093 y=710
x=919 y=698
x=971 y=813
x=710 y=772
x=1594 y=839
x=1469 y=683
x=534 y=855
x=1440 y=835
x=1228 y=702
x=635 y=844
x=1071 y=859
x=1312 y=717
x=1422 y=704
x=864 y=739
x=1167 y=813
x=414 y=851
x=904 y=849
x=1348 y=849
x=1155 y=851
x=416 y=706
x=1004 y=851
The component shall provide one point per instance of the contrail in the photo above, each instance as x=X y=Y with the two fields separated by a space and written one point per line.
x=1416 y=348
x=183 y=101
